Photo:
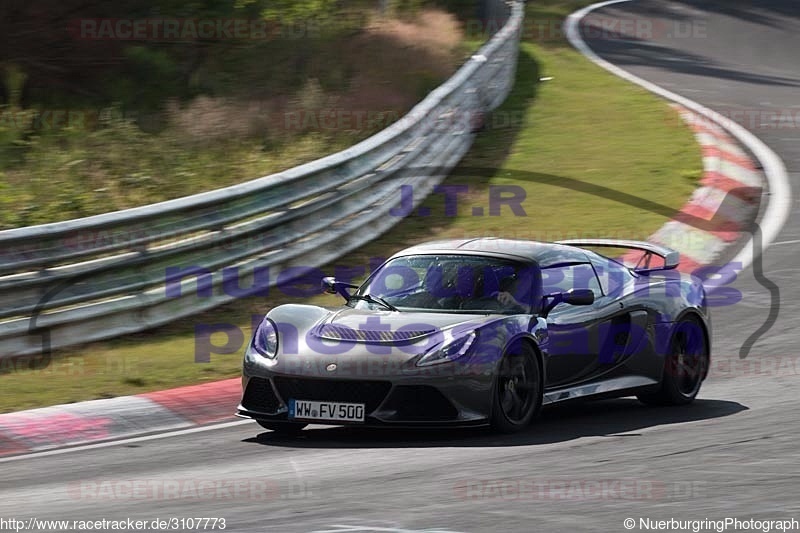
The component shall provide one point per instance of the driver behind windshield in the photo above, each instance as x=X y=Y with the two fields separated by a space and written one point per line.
x=484 y=287
x=515 y=290
x=454 y=283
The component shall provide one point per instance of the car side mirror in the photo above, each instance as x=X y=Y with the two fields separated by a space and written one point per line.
x=578 y=297
x=331 y=286
x=572 y=297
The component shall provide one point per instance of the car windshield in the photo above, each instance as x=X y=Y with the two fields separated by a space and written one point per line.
x=451 y=283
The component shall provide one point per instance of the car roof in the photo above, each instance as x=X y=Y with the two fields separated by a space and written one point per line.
x=544 y=253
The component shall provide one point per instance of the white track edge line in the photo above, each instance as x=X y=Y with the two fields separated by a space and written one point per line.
x=129 y=440
x=780 y=193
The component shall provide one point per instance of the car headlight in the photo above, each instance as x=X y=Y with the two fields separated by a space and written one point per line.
x=265 y=340
x=450 y=351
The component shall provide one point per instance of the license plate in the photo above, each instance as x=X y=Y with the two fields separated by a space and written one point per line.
x=328 y=411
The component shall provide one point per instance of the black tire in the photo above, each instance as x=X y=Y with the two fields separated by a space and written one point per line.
x=685 y=367
x=283 y=428
x=517 y=395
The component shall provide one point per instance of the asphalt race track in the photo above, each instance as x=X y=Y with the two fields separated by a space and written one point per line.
x=733 y=454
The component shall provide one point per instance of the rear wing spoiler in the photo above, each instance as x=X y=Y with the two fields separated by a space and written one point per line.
x=670 y=257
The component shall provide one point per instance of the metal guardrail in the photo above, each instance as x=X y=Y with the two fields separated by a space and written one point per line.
x=93 y=278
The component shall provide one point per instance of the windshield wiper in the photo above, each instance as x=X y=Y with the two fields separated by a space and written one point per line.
x=374 y=300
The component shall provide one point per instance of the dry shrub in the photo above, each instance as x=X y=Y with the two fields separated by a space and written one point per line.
x=208 y=119
x=432 y=30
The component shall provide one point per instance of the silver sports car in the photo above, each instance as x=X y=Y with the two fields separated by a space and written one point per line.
x=482 y=331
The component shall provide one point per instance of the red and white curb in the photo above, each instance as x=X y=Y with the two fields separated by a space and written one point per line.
x=779 y=200
x=47 y=428
x=720 y=211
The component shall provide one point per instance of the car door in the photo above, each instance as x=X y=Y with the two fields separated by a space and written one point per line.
x=586 y=341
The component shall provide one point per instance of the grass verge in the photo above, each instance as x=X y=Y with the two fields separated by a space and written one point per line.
x=575 y=144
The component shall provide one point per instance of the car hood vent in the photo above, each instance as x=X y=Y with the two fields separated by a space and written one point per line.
x=337 y=332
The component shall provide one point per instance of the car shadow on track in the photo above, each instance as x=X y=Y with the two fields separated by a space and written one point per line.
x=608 y=418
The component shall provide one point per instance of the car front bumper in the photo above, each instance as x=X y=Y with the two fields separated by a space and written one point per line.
x=449 y=394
